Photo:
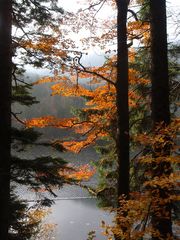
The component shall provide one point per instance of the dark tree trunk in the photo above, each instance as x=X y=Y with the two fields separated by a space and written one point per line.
x=160 y=105
x=159 y=71
x=122 y=99
x=5 y=114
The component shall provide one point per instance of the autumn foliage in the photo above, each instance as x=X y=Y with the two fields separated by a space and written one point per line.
x=97 y=120
x=100 y=107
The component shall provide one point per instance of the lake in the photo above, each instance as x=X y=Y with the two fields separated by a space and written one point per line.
x=77 y=216
x=75 y=212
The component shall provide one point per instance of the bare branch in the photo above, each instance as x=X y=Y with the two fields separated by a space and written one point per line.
x=18 y=119
x=134 y=14
x=99 y=8
x=84 y=69
x=93 y=5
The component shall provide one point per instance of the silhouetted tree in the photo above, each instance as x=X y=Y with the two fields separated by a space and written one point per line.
x=160 y=107
x=122 y=99
x=5 y=114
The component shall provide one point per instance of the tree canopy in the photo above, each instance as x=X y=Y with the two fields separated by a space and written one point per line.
x=130 y=104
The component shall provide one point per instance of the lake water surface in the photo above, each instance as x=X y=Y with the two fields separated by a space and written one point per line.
x=76 y=218
x=75 y=212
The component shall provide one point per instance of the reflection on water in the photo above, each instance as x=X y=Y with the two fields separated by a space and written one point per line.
x=75 y=218
x=74 y=213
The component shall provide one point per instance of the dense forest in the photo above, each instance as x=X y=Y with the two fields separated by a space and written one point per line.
x=123 y=103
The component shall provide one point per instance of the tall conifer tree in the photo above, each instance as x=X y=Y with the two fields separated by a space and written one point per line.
x=5 y=113
x=122 y=99
x=160 y=106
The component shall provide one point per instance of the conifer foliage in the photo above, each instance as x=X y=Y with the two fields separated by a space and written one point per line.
x=40 y=173
x=126 y=109
x=105 y=104
x=5 y=114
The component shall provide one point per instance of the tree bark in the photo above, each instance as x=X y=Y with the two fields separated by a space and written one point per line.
x=122 y=99
x=159 y=70
x=160 y=106
x=5 y=114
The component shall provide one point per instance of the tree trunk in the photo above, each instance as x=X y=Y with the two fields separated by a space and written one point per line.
x=5 y=114
x=160 y=105
x=159 y=70
x=122 y=99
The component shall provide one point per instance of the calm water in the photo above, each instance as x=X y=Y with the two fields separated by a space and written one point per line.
x=74 y=212
x=75 y=218
x=76 y=215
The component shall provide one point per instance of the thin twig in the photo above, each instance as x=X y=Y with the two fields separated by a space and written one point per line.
x=18 y=119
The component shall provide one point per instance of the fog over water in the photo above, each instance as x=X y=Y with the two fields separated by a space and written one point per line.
x=76 y=218
x=75 y=212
